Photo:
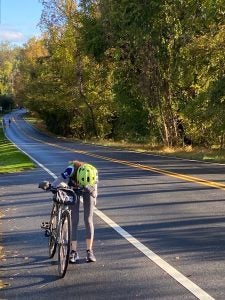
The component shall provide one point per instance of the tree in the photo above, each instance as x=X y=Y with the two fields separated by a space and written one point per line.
x=67 y=88
x=139 y=70
x=201 y=72
x=7 y=65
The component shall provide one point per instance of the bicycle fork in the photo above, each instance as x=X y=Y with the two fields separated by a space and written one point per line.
x=60 y=237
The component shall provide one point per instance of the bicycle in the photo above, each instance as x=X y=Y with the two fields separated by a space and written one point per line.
x=59 y=228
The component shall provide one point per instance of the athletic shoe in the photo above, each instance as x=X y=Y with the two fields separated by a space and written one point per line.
x=90 y=256
x=74 y=257
x=45 y=225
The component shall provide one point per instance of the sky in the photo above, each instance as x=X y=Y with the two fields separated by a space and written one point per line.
x=19 y=20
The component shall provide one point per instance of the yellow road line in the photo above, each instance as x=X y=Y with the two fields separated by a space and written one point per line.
x=138 y=166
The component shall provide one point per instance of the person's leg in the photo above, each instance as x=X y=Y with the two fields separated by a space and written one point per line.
x=75 y=220
x=89 y=204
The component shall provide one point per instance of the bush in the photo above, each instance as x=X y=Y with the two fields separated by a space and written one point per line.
x=6 y=102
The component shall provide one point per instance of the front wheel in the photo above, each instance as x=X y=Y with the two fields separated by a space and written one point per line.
x=64 y=243
x=52 y=238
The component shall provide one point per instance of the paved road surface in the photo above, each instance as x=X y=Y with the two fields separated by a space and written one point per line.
x=159 y=225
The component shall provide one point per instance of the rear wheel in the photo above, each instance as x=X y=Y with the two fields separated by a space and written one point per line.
x=52 y=239
x=64 y=243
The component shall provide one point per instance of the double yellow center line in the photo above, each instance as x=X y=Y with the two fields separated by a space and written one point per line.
x=138 y=166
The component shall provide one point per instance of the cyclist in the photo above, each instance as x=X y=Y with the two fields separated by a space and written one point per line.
x=81 y=175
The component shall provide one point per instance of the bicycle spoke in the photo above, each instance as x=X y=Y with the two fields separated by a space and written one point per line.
x=64 y=244
x=52 y=241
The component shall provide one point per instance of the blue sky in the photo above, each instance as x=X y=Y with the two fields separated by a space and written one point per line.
x=19 y=19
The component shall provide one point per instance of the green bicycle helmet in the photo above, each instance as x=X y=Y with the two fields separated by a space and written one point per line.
x=87 y=175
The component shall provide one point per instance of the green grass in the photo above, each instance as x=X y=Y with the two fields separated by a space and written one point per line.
x=195 y=153
x=11 y=159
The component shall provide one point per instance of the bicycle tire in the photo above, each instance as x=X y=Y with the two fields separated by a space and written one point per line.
x=64 y=243
x=52 y=239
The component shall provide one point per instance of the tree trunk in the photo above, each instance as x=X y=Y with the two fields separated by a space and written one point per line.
x=169 y=119
x=83 y=97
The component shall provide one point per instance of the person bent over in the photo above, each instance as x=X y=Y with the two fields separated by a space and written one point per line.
x=83 y=178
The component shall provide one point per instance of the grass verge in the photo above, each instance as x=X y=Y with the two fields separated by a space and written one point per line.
x=192 y=153
x=11 y=159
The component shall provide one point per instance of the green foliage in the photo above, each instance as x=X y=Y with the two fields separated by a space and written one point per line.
x=128 y=70
x=6 y=102
x=93 y=37
x=7 y=68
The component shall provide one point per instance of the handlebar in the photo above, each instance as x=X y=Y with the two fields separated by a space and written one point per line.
x=46 y=186
x=77 y=190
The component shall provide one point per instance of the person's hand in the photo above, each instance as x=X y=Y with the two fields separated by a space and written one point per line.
x=44 y=185
x=49 y=187
x=63 y=185
x=94 y=194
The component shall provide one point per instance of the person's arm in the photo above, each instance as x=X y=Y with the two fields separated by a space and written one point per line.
x=95 y=191
x=60 y=182
x=64 y=177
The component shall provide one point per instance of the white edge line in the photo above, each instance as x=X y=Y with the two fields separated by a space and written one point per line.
x=32 y=158
x=179 y=277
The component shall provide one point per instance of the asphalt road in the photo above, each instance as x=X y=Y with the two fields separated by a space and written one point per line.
x=159 y=225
